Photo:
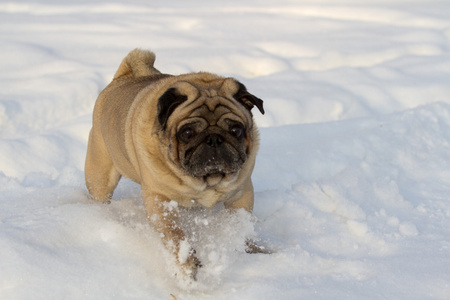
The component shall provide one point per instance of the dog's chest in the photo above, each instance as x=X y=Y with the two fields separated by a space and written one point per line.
x=208 y=198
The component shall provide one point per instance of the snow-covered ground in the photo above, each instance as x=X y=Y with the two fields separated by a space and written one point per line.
x=352 y=180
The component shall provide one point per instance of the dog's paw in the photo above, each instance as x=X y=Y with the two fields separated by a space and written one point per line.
x=188 y=260
x=252 y=247
x=190 y=267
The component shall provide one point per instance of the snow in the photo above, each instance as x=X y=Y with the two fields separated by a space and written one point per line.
x=352 y=178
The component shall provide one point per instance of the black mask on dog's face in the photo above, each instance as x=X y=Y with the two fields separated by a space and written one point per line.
x=212 y=150
x=212 y=138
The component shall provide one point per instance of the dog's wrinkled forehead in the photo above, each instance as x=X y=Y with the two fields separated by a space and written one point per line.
x=212 y=111
x=226 y=88
x=213 y=94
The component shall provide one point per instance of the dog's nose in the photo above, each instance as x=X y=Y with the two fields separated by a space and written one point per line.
x=214 y=140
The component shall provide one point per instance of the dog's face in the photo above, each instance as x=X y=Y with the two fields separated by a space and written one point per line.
x=208 y=127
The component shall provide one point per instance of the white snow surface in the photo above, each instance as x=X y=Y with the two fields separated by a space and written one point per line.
x=352 y=179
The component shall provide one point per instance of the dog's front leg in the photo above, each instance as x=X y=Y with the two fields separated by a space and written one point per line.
x=163 y=215
x=246 y=202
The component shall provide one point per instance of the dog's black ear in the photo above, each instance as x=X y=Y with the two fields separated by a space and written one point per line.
x=247 y=99
x=167 y=103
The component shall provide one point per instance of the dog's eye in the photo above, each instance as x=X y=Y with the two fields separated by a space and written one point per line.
x=186 y=134
x=237 y=130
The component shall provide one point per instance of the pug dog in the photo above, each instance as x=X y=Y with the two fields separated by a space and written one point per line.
x=188 y=140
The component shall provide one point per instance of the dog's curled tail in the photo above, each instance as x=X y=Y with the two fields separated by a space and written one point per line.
x=138 y=63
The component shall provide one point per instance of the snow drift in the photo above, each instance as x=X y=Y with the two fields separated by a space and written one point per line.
x=352 y=179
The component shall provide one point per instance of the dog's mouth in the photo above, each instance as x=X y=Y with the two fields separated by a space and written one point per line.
x=212 y=165
x=214 y=178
